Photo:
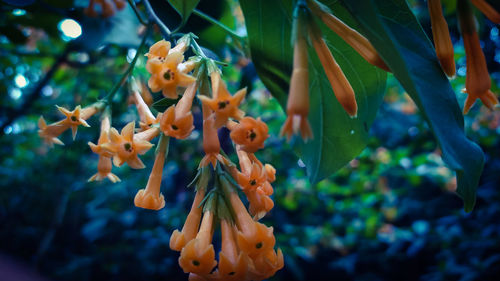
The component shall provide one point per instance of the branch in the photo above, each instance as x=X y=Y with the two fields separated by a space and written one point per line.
x=153 y=17
x=35 y=95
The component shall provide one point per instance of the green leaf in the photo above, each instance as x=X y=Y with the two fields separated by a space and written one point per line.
x=337 y=138
x=164 y=103
x=184 y=8
x=398 y=37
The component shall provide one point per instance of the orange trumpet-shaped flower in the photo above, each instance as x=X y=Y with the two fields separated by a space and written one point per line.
x=490 y=12
x=177 y=121
x=151 y=197
x=179 y=239
x=198 y=256
x=77 y=117
x=125 y=148
x=222 y=103
x=157 y=52
x=233 y=264
x=211 y=144
x=253 y=175
x=297 y=108
x=441 y=36
x=249 y=133
x=253 y=238
x=357 y=41
x=166 y=77
x=260 y=203
x=104 y=165
x=146 y=117
x=270 y=172
x=477 y=80
x=339 y=83
x=267 y=265
x=49 y=133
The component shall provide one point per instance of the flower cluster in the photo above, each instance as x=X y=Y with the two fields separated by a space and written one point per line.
x=107 y=7
x=304 y=28
x=247 y=246
x=478 y=81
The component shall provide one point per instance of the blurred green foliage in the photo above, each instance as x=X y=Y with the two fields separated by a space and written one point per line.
x=390 y=214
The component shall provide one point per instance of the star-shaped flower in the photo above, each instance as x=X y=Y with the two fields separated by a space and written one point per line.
x=73 y=119
x=166 y=77
x=125 y=148
x=222 y=103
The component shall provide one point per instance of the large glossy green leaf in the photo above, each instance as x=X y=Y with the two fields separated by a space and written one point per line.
x=400 y=40
x=337 y=138
x=184 y=8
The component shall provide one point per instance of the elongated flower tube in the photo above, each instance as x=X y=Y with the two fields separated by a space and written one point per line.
x=198 y=256
x=179 y=239
x=477 y=80
x=151 y=197
x=50 y=133
x=252 y=174
x=104 y=165
x=125 y=148
x=146 y=117
x=253 y=237
x=222 y=103
x=211 y=144
x=442 y=39
x=297 y=108
x=339 y=83
x=233 y=263
x=357 y=41
x=177 y=121
x=490 y=12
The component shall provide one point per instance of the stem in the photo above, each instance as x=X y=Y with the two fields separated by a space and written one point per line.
x=217 y=23
x=136 y=11
x=131 y=66
x=152 y=16
x=15 y=113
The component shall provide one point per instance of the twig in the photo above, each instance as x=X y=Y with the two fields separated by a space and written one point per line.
x=152 y=16
x=131 y=66
x=15 y=113
x=136 y=11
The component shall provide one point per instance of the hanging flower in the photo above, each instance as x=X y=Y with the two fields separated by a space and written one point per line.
x=151 y=197
x=104 y=165
x=477 y=80
x=49 y=133
x=222 y=103
x=249 y=133
x=339 y=83
x=357 y=41
x=233 y=263
x=297 y=108
x=198 y=256
x=441 y=36
x=177 y=121
x=125 y=148
x=211 y=144
x=253 y=237
x=146 y=117
x=179 y=239
x=267 y=265
x=490 y=12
